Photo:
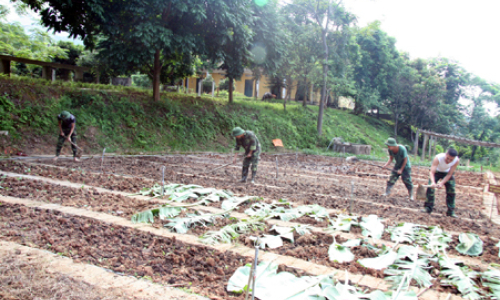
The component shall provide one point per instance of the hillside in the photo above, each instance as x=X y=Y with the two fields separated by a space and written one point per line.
x=127 y=120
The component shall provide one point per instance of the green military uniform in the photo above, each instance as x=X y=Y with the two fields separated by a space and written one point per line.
x=67 y=120
x=249 y=142
x=399 y=158
x=406 y=175
x=450 y=193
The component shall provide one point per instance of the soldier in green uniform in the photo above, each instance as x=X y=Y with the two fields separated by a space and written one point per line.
x=66 y=123
x=402 y=167
x=249 y=142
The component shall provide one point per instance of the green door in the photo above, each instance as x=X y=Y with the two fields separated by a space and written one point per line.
x=248 y=88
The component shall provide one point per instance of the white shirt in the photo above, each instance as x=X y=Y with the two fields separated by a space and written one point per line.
x=443 y=166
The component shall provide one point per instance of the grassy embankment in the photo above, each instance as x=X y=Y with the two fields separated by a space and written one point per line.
x=126 y=120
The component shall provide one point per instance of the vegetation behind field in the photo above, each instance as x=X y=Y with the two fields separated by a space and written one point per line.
x=127 y=120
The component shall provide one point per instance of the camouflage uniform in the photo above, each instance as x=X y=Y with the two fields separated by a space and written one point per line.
x=66 y=128
x=406 y=174
x=450 y=193
x=249 y=142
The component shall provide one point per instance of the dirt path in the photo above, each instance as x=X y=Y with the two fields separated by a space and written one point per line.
x=31 y=273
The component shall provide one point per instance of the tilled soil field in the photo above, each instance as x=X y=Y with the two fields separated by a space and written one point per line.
x=121 y=249
x=301 y=179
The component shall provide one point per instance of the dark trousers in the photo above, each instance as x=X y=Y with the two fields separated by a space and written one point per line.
x=450 y=192
x=60 y=143
x=254 y=161
x=406 y=176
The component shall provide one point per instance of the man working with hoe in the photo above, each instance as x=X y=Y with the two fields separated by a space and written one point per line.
x=443 y=167
x=250 y=143
x=67 y=123
x=402 y=167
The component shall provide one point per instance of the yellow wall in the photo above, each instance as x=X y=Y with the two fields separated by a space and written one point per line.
x=217 y=78
x=191 y=84
x=239 y=84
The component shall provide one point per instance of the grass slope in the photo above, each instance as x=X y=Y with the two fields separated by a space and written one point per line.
x=127 y=120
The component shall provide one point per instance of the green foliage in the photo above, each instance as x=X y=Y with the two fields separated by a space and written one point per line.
x=178 y=122
x=343 y=223
x=141 y=80
x=412 y=264
x=461 y=277
x=37 y=44
x=380 y=262
x=224 y=84
x=229 y=233
x=207 y=84
x=491 y=279
x=163 y=213
x=339 y=253
x=470 y=244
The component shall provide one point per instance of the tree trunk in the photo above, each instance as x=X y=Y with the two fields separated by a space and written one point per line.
x=474 y=148
x=358 y=107
x=230 y=90
x=156 y=76
x=323 y=89
x=431 y=141
x=396 y=125
x=288 y=93
x=426 y=138
x=335 y=103
x=415 y=144
x=304 y=102
x=473 y=153
x=255 y=85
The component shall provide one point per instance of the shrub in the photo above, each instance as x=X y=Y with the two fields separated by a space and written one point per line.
x=207 y=84
x=224 y=85
x=141 y=80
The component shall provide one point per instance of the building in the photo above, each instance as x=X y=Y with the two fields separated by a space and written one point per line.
x=245 y=85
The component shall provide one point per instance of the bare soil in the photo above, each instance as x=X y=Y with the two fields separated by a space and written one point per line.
x=302 y=180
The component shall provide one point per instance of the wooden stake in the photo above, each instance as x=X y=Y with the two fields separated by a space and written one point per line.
x=352 y=191
x=276 y=167
x=163 y=181
x=102 y=160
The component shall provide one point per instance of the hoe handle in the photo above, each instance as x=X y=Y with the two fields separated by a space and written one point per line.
x=209 y=171
x=76 y=146
x=375 y=165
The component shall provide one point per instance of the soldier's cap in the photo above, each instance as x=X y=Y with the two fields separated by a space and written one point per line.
x=65 y=115
x=391 y=142
x=237 y=131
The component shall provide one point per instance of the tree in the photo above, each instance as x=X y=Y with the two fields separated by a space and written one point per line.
x=257 y=42
x=269 y=43
x=401 y=92
x=157 y=35
x=74 y=52
x=329 y=16
x=302 y=54
x=481 y=125
x=376 y=68
x=37 y=45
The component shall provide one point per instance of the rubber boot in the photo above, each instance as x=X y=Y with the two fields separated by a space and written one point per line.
x=425 y=210
x=244 y=174
x=387 y=190
x=254 y=173
x=410 y=195
x=451 y=213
